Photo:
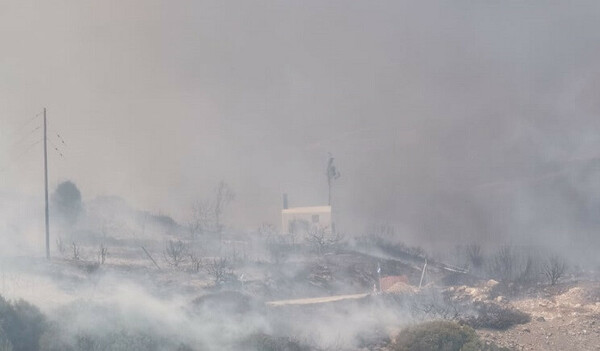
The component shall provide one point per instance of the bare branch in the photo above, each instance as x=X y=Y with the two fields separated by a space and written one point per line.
x=323 y=241
x=219 y=269
x=75 y=251
x=102 y=253
x=175 y=252
x=475 y=255
x=554 y=269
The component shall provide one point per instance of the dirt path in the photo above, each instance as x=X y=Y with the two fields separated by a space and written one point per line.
x=314 y=300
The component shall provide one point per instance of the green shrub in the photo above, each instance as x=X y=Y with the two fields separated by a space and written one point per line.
x=54 y=339
x=5 y=344
x=441 y=336
x=264 y=342
x=87 y=326
x=22 y=325
x=122 y=340
x=493 y=316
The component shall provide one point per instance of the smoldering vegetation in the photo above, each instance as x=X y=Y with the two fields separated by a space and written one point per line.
x=123 y=279
x=467 y=134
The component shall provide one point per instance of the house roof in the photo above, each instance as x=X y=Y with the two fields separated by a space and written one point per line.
x=308 y=209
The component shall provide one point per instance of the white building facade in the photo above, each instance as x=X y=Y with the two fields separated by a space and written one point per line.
x=300 y=220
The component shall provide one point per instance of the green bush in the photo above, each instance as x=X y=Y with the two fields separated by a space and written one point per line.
x=123 y=340
x=264 y=342
x=493 y=316
x=441 y=336
x=21 y=324
x=88 y=326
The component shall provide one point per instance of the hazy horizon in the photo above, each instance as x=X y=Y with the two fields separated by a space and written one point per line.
x=467 y=120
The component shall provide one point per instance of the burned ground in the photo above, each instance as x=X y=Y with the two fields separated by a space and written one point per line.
x=307 y=302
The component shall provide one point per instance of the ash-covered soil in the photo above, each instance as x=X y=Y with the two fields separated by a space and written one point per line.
x=563 y=317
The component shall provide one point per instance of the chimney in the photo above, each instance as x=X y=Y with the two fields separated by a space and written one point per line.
x=285 y=201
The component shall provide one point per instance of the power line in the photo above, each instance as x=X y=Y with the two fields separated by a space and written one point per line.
x=23 y=138
x=28 y=148
x=28 y=121
x=45 y=140
x=19 y=129
x=19 y=157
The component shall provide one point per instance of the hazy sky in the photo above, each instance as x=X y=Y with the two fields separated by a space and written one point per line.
x=459 y=118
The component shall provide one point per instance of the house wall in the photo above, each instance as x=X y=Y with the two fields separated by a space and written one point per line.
x=308 y=217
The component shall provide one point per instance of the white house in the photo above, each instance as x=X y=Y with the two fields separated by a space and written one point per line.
x=298 y=220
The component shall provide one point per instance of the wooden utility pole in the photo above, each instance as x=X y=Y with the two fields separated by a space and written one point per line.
x=46 y=188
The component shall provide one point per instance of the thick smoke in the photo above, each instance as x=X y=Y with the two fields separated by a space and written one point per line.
x=453 y=123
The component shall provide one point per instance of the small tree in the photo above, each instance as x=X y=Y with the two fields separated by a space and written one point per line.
x=279 y=248
x=175 y=252
x=60 y=245
x=322 y=241
x=202 y=219
x=223 y=197
x=102 y=253
x=219 y=269
x=554 y=269
x=512 y=265
x=502 y=265
x=266 y=230
x=383 y=231
x=196 y=261
x=66 y=203
x=475 y=255
x=207 y=215
x=76 y=254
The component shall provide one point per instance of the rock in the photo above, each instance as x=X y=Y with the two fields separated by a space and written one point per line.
x=500 y=299
x=540 y=319
x=491 y=283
